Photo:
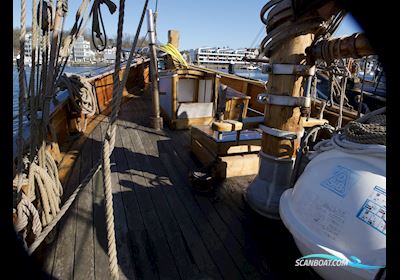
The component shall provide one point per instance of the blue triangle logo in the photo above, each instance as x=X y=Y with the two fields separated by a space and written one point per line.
x=340 y=181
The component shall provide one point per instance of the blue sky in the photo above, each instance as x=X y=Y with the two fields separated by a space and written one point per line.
x=234 y=23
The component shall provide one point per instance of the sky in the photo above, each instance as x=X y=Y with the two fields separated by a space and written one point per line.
x=216 y=23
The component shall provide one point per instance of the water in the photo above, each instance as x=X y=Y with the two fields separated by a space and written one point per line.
x=252 y=74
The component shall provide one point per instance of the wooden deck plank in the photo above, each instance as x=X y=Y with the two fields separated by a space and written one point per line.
x=124 y=254
x=190 y=236
x=84 y=253
x=99 y=230
x=64 y=255
x=229 y=231
x=183 y=255
x=217 y=251
x=140 y=246
x=156 y=245
x=228 y=240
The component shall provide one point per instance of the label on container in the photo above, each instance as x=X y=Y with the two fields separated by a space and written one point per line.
x=373 y=211
x=340 y=181
x=324 y=217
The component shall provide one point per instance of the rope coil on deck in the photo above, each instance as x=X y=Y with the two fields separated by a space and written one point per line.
x=82 y=95
x=365 y=135
x=371 y=132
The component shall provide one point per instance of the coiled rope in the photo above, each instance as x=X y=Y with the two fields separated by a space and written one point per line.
x=45 y=183
x=367 y=135
x=82 y=95
x=277 y=32
x=371 y=132
x=174 y=53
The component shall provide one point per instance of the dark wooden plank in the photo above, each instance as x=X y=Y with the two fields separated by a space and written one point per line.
x=229 y=229
x=176 y=239
x=214 y=245
x=190 y=237
x=84 y=253
x=64 y=255
x=125 y=260
x=159 y=248
x=99 y=230
x=139 y=243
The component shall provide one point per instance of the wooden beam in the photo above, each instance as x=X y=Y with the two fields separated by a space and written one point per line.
x=173 y=38
x=174 y=95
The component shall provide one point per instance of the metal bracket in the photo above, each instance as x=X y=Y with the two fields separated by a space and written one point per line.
x=284 y=100
x=289 y=135
x=289 y=69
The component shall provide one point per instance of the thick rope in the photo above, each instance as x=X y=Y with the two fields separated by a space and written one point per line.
x=25 y=212
x=32 y=105
x=108 y=146
x=20 y=139
x=49 y=188
x=371 y=132
x=63 y=209
x=82 y=96
x=367 y=140
x=108 y=143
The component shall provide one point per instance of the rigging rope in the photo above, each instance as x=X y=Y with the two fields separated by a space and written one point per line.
x=108 y=145
x=20 y=139
x=96 y=13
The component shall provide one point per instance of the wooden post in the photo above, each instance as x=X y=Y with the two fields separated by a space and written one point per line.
x=156 y=120
x=285 y=118
x=173 y=38
x=174 y=95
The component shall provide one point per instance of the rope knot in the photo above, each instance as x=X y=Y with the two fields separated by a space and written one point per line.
x=62 y=7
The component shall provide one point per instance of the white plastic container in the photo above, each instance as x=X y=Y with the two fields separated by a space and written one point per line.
x=338 y=207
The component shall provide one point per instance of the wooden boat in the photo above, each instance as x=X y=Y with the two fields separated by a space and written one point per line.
x=164 y=229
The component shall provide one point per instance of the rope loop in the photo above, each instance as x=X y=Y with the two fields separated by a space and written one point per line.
x=96 y=32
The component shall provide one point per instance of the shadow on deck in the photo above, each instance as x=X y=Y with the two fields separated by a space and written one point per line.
x=163 y=229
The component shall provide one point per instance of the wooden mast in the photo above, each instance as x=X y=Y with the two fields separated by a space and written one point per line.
x=286 y=98
x=285 y=117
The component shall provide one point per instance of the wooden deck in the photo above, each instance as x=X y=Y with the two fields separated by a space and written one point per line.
x=163 y=229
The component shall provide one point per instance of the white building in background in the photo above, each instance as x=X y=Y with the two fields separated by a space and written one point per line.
x=109 y=55
x=223 y=55
x=28 y=49
x=81 y=51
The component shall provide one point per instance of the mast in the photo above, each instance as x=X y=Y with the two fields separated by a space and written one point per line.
x=287 y=98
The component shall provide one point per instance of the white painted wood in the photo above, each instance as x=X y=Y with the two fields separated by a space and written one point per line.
x=186 y=88
x=165 y=94
x=194 y=110
x=205 y=91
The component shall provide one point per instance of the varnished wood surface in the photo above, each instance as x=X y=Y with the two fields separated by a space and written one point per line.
x=163 y=229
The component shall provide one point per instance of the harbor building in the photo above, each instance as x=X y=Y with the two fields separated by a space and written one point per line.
x=211 y=55
x=81 y=51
